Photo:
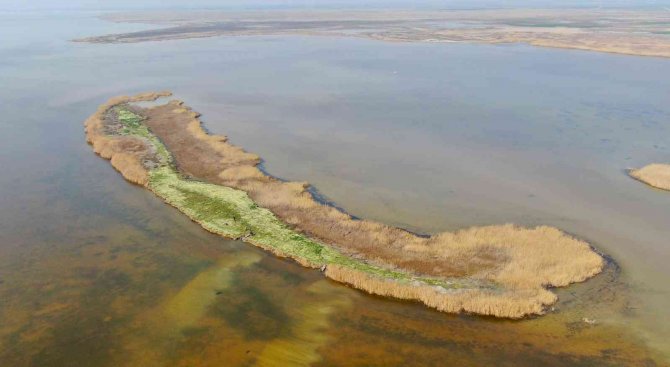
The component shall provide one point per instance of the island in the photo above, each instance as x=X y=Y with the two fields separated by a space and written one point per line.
x=642 y=32
x=503 y=271
x=656 y=175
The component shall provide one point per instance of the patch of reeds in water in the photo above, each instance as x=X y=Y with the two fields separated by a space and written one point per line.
x=500 y=270
x=656 y=175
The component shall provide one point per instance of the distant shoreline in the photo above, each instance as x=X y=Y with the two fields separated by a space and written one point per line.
x=626 y=32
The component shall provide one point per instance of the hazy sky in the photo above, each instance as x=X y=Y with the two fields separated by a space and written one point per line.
x=251 y=4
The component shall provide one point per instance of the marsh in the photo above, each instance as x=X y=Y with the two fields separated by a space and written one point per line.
x=428 y=137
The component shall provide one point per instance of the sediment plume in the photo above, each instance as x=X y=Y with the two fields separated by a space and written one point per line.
x=656 y=175
x=163 y=326
x=300 y=347
x=502 y=270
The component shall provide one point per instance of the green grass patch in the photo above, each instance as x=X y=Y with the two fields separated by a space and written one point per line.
x=133 y=125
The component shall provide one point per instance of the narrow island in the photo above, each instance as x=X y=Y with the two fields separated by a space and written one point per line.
x=656 y=175
x=622 y=31
x=502 y=271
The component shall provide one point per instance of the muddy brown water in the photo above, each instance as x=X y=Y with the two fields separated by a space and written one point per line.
x=95 y=271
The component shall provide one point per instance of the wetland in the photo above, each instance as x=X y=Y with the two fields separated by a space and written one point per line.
x=97 y=271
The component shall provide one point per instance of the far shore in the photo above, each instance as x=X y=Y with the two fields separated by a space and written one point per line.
x=628 y=32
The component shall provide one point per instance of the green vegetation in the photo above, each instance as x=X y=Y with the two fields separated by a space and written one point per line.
x=231 y=213
x=132 y=125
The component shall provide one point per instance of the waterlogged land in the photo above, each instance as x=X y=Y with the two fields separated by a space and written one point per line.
x=502 y=271
x=632 y=32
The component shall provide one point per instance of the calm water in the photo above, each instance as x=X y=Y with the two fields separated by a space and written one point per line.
x=95 y=271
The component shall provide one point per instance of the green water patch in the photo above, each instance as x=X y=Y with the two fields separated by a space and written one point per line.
x=232 y=213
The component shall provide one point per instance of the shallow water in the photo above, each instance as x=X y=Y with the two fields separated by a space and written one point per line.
x=95 y=271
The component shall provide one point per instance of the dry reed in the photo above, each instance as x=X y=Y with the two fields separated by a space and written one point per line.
x=656 y=175
x=124 y=152
x=523 y=262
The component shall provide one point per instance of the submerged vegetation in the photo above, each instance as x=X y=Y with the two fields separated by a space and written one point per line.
x=495 y=270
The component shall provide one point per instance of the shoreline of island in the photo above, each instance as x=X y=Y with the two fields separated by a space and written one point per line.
x=503 y=271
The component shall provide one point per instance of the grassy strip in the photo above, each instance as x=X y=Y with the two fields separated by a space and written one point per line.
x=133 y=125
x=231 y=213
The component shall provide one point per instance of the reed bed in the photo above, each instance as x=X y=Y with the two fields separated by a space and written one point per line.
x=656 y=175
x=501 y=270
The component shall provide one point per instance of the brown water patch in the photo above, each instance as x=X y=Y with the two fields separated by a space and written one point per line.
x=155 y=333
x=397 y=335
x=66 y=308
x=112 y=275
x=249 y=319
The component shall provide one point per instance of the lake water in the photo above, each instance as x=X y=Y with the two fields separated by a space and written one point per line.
x=430 y=137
